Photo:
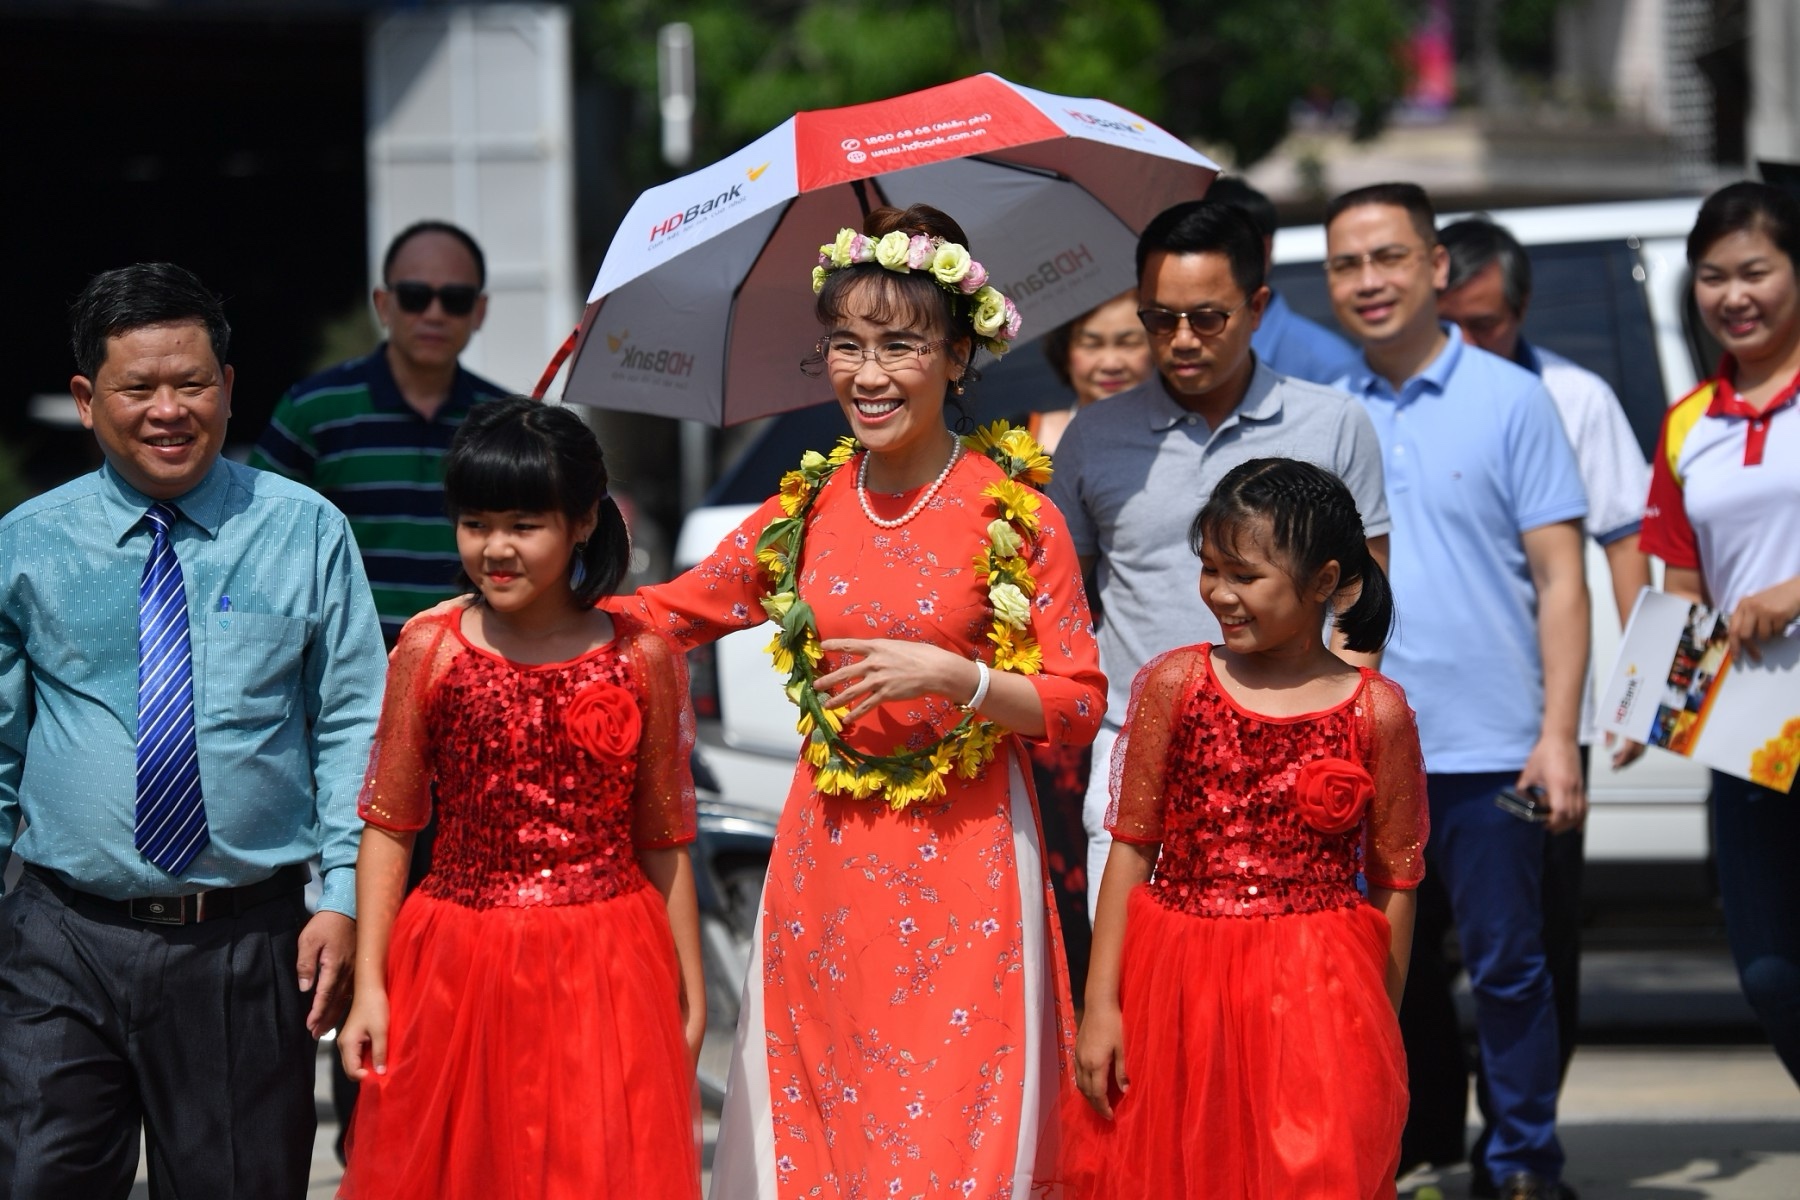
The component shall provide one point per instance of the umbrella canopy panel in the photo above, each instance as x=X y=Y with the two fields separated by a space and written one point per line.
x=701 y=308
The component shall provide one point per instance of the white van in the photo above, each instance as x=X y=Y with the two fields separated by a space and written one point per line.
x=1610 y=283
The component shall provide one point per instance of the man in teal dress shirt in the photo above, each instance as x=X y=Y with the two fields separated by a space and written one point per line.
x=143 y=986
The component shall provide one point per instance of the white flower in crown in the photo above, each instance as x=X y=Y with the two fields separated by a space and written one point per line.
x=840 y=249
x=993 y=317
x=892 y=250
x=950 y=263
x=989 y=317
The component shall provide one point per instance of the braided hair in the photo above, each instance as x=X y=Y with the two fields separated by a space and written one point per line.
x=1312 y=520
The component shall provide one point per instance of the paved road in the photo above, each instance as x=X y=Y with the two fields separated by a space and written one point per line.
x=1662 y=1121
x=1639 y=1123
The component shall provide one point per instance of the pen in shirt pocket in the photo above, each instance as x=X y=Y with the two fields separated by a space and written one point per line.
x=224 y=603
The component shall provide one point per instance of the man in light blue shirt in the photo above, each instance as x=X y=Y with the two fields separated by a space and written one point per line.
x=190 y=671
x=1490 y=644
x=1291 y=344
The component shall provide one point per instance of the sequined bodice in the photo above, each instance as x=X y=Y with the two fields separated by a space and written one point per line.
x=1233 y=843
x=525 y=816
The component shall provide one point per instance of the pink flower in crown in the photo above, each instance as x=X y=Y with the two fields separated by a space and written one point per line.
x=1013 y=320
x=975 y=280
x=862 y=249
x=919 y=252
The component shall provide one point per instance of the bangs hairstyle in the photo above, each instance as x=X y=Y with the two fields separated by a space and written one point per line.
x=519 y=455
x=889 y=299
x=1312 y=519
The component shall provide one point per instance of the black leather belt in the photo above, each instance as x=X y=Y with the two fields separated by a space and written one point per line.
x=195 y=907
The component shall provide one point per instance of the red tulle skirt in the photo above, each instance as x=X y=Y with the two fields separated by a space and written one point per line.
x=533 y=1053
x=1264 y=1060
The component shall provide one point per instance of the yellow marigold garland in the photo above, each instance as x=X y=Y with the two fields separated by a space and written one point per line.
x=906 y=777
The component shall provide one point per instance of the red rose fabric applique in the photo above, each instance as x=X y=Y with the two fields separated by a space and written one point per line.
x=603 y=719
x=1332 y=794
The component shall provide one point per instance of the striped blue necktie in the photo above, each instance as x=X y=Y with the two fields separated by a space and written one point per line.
x=171 y=820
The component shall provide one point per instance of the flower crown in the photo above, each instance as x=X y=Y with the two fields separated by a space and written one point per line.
x=995 y=319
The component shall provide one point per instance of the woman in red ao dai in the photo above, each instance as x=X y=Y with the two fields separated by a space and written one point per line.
x=906 y=1027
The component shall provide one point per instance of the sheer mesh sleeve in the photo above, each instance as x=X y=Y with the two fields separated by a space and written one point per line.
x=396 y=791
x=1140 y=757
x=662 y=803
x=712 y=598
x=1399 y=820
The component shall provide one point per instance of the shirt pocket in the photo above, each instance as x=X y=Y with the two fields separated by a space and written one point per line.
x=253 y=663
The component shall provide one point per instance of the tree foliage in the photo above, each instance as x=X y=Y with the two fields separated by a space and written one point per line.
x=1227 y=72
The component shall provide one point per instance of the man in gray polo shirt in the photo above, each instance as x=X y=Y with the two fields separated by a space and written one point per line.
x=1131 y=473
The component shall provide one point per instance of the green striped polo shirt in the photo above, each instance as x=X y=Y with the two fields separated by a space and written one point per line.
x=349 y=434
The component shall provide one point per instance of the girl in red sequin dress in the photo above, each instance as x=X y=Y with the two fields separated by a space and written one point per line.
x=1240 y=1040
x=525 y=1024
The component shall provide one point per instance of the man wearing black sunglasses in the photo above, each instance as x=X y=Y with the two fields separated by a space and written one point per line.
x=371 y=433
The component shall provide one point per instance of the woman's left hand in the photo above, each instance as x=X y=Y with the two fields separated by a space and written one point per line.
x=886 y=669
x=1762 y=617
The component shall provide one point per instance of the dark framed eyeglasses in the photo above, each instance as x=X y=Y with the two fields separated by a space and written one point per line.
x=413 y=297
x=1207 y=322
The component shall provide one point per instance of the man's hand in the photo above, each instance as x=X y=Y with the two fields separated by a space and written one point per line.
x=327 y=952
x=1555 y=766
x=1763 y=616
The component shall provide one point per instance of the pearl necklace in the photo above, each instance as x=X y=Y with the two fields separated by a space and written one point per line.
x=862 y=492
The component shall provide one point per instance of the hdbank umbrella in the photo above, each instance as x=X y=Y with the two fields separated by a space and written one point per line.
x=703 y=307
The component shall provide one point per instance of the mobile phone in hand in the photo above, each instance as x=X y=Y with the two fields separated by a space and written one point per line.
x=1527 y=805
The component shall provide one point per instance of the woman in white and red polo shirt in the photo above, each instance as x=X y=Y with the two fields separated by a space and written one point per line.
x=1724 y=515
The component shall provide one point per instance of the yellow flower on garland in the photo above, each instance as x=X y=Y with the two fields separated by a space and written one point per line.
x=784 y=658
x=1018 y=653
x=1018 y=504
x=795 y=492
x=1022 y=448
x=834 y=718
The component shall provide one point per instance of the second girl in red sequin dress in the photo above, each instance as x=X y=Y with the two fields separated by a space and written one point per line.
x=1240 y=1040
x=518 y=1028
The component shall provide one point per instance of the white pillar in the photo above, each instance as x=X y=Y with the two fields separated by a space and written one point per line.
x=1774 y=90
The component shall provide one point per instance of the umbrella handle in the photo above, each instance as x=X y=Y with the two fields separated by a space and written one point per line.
x=556 y=361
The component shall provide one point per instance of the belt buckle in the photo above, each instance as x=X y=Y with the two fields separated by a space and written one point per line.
x=164 y=910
